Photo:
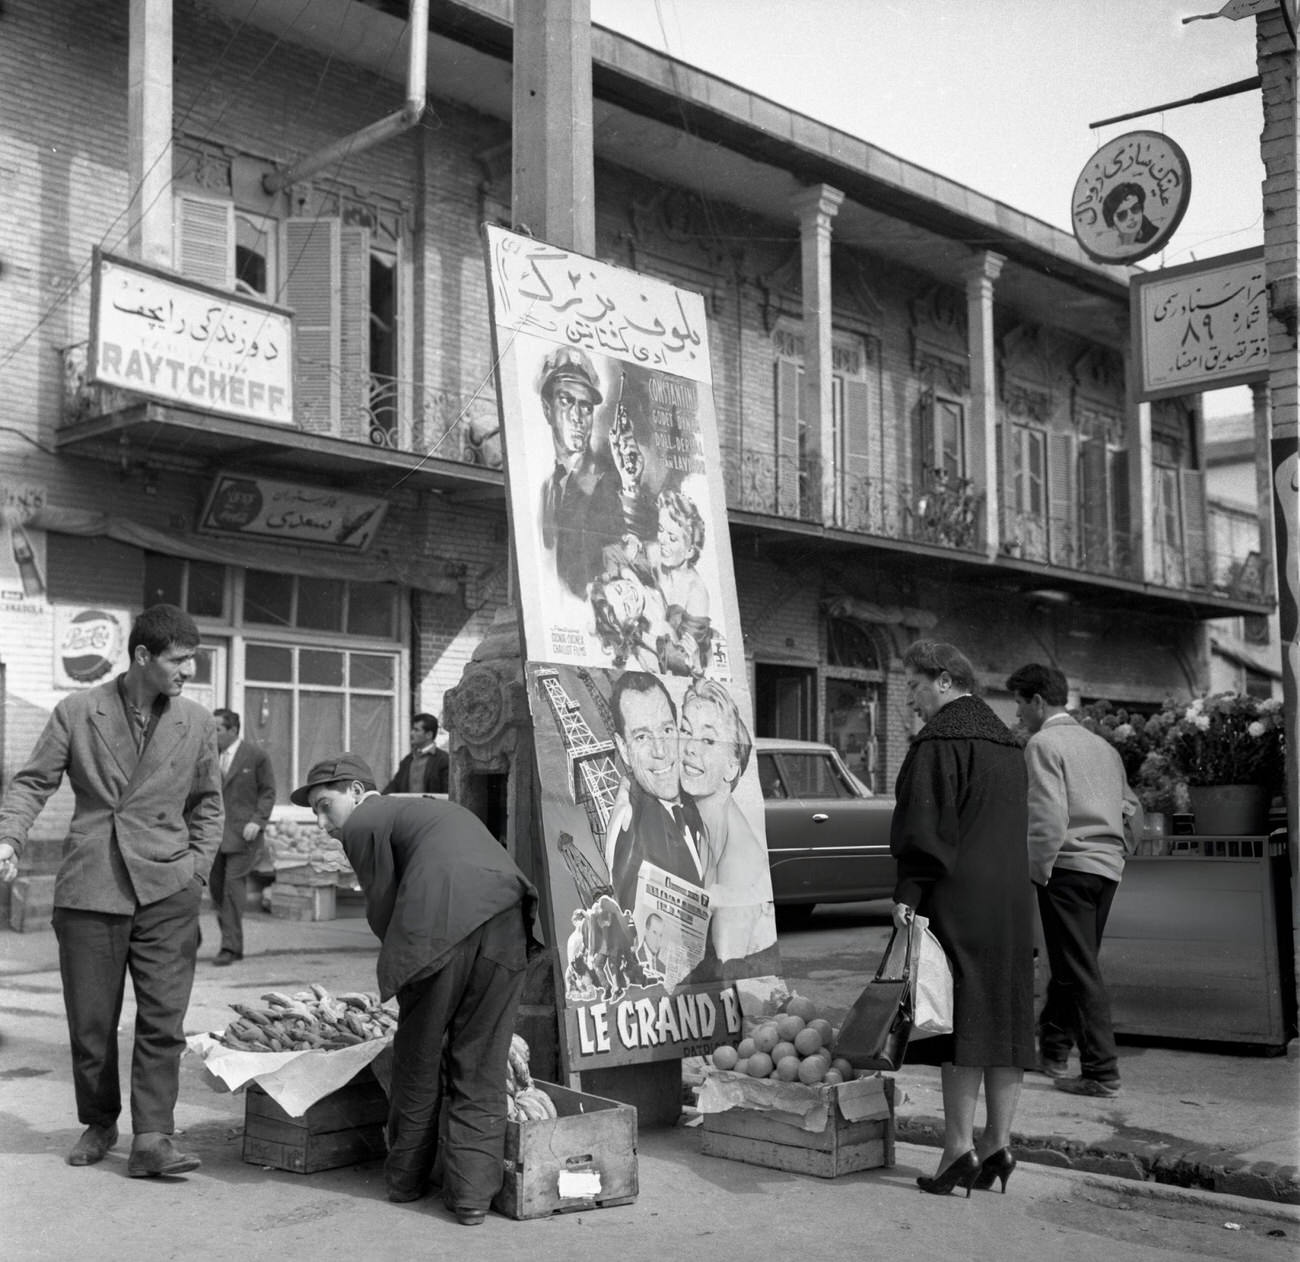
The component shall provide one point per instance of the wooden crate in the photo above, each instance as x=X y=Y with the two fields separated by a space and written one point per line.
x=583 y=1159
x=303 y=902
x=344 y=1128
x=763 y=1138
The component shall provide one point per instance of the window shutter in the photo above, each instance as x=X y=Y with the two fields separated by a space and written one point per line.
x=1094 y=502
x=1191 y=490
x=857 y=456
x=354 y=334
x=1121 y=512
x=923 y=457
x=1008 y=507
x=205 y=239
x=787 y=438
x=1062 y=516
x=311 y=288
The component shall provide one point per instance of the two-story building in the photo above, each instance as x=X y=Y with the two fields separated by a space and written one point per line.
x=970 y=464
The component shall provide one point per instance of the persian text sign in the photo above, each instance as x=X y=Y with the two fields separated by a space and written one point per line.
x=568 y=299
x=155 y=334
x=1201 y=326
x=291 y=513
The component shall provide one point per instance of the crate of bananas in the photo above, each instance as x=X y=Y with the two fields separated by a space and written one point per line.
x=311 y=1020
x=525 y=1101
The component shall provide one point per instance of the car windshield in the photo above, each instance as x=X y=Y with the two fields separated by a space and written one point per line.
x=804 y=775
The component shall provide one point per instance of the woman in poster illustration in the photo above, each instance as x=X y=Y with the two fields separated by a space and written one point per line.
x=622 y=608
x=715 y=750
x=674 y=612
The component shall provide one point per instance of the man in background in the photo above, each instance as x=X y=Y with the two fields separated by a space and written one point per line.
x=424 y=769
x=248 y=791
x=147 y=821
x=1078 y=801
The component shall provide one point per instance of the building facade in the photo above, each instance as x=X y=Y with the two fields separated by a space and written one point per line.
x=922 y=394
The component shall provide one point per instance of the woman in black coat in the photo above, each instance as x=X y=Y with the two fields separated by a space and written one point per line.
x=959 y=836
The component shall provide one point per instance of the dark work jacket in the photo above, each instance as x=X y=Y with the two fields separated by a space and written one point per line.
x=432 y=874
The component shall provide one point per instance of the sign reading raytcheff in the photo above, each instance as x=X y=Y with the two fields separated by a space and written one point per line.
x=155 y=334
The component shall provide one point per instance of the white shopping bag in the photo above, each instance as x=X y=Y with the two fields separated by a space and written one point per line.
x=931 y=984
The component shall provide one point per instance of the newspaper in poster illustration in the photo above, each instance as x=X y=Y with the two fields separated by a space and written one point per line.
x=648 y=787
x=608 y=410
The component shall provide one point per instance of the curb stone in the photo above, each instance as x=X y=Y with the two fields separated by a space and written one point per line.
x=1202 y=1169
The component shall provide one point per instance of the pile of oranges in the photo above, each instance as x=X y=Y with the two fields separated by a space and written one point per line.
x=795 y=1045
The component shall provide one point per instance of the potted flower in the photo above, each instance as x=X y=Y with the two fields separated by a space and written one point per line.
x=1229 y=748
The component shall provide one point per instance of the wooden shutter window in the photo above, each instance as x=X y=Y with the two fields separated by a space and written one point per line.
x=354 y=334
x=1062 y=514
x=205 y=239
x=311 y=289
x=1191 y=491
x=787 y=438
x=857 y=456
x=1094 y=496
x=1121 y=513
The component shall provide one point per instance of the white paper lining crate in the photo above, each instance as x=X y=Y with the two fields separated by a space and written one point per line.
x=583 y=1159
x=775 y=1138
x=344 y=1128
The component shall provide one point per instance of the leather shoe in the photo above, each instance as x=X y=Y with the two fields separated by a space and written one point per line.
x=94 y=1143
x=468 y=1216
x=226 y=957
x=159 y=1157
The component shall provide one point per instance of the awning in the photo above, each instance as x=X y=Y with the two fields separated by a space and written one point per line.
x=1243 y=654
x=378 y=565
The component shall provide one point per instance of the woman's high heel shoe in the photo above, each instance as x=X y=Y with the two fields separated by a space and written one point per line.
x=964 y=1171
x=997 y=1165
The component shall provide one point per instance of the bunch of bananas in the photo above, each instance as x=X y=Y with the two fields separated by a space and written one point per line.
x=310 y=1020
x=525 y=1102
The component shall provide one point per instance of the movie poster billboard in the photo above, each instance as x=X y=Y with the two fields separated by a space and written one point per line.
x=656 y=859
x=653 y=822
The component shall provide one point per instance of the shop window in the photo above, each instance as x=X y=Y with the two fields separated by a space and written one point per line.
x=319 y=604
x=303 y=704
x=198 y=587
x=1258 y=684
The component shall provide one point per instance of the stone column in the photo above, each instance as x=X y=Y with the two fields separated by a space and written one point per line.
x=1259 y=398
x=980 y=274
x=816 y=207
x=149 y=132
x=554 y=195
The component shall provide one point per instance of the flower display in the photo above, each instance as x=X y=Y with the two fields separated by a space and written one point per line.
x=1139 y=742
x=1227 y=738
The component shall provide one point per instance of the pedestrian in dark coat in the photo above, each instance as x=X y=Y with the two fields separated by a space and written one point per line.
x=454 y=915
x=958 y=835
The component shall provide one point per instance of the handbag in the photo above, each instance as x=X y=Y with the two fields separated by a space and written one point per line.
x=874 y=1034
x=931 y=985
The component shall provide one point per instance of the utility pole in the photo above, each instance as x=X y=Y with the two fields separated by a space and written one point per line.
x=1278 y=62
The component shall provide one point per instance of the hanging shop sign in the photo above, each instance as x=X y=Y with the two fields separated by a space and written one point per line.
x=89 y=644
x=22 y=548
x=154 y=334
x=1200 y=326
x=660 y=892
x=1130 y=197
x=291 y=513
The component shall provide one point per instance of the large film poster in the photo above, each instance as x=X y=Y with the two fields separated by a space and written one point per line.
x=653 y=819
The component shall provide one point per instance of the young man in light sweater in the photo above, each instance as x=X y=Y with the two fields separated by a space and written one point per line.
x=1079 y=798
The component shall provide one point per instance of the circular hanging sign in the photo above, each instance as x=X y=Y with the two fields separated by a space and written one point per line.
x=1130 y=197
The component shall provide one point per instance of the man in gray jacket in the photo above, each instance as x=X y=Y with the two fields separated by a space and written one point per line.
x=1079 y=799
x=142 y=761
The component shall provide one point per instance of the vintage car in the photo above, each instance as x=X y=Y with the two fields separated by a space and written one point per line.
x=827 y=836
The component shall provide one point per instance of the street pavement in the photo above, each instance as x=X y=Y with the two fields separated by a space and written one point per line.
x=1223 y=1124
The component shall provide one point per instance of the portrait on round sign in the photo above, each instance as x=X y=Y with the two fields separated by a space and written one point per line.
x=1130 y=197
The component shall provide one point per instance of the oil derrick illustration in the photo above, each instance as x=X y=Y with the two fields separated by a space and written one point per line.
x=595 y=773
x=589 y=883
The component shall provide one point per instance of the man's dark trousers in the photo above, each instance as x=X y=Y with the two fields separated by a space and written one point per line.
x=157 y=946
x=228 y=885
x=1073 y=907
x=472 y=999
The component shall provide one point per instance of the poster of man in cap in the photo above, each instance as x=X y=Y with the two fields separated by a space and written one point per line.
x=607 y=416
